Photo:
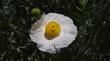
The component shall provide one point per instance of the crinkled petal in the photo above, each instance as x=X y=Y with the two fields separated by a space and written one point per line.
x=64 y=40
x=58 y=18
x=42 y=43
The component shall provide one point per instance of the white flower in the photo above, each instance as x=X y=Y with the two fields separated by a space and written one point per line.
x=53 y=32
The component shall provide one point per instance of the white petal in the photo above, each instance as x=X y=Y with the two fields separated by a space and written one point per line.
x=42 y=43
x=37 y=38
x=50 y=48
x=70 y=28
x=59 y=18
x=63 y=40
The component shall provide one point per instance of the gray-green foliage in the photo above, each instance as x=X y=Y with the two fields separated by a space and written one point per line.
x=92 y=18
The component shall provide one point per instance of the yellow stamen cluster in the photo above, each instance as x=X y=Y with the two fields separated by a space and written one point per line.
x=52 y=30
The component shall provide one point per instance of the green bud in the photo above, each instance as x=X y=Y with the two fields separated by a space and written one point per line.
x=36 y=12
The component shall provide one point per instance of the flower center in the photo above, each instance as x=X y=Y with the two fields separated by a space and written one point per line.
x=52 y=30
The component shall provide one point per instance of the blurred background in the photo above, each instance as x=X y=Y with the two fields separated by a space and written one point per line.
x=92 y=18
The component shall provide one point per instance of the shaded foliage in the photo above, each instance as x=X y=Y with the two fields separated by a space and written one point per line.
x=92 y=18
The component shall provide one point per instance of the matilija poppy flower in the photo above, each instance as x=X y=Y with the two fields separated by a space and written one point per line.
x=53 y=32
